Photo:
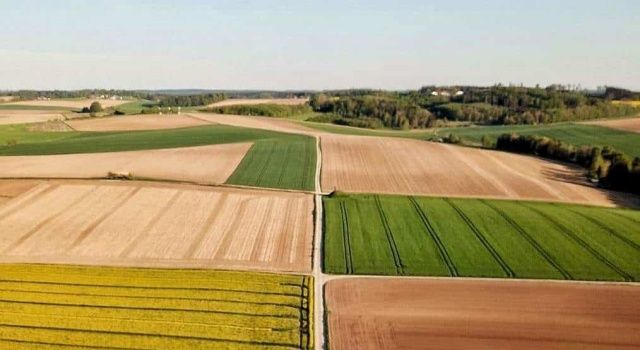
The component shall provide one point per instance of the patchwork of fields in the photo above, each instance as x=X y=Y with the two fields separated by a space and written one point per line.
x=135 y=122
x=43 y=307
x=394 y=235
x=453 y=314
x=139 y=224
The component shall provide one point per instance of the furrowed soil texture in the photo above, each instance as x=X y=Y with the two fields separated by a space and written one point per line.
x=135 y=122
x=461 y=315
x=203 y=164
x=64 y=307
x=148 y=224
x=391 y=165
x=396 y=235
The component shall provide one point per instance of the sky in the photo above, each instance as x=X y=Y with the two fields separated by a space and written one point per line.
x=330 y=44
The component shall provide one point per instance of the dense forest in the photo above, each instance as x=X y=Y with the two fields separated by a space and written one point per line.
x=263 y=110
x=189 y=100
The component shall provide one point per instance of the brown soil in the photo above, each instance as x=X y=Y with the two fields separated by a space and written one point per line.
x=10 y=189
x=473 y=314
x=257 y=101
x=162 y=225
x=402 y=166
x=203 y=164
x=631 y=124
x=265 y=123
x=25 y=116
x=69 y=103
x=135 y=122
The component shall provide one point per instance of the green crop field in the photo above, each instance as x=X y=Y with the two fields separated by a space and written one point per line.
x=575 y=134
x=398 y=235
x=60 y=307
x=277 y=160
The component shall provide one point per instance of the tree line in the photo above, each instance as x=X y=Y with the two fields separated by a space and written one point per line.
x=611 y=168
x=189 y=100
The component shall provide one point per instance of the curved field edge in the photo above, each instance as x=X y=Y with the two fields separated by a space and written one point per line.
x=479 y=238
x=277 y=160
x=97 y=307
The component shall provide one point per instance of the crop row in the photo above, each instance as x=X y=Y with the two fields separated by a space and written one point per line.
x=371 y=234
x=103 y=311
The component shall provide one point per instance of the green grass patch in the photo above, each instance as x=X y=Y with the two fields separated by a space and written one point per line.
x=398 y=235
x=277 y=160
x=134 y=107
x=44 y=306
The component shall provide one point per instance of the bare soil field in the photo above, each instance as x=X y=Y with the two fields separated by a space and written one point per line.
x=27 y=116
x=265 y=123
x=203 y=164
x=402 y=166
x=257 y=101
x=630 y=124
x=71 y=103
x=466 y=314
x=161 y=225
x=6 y=98
x=10 y=189
x=136 y=122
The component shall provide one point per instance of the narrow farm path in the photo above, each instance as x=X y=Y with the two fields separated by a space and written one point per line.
x=318 y=275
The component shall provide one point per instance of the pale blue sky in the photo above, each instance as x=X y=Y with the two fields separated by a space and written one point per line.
x=247 y=44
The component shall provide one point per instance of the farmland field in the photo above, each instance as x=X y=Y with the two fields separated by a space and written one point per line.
x=397 y=235
x=630 y=124
x=292 y=167
x=72 y=103
x=135 y=122
x=401 y=166
x=43 y=307
x=430 y=314
x=158 y=225
x=25 y=116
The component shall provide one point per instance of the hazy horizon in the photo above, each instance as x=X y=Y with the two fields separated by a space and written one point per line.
x=313 y=45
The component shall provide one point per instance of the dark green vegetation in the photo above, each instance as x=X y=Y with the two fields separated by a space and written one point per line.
x=276 y=160
x=284 y=162
x=482 y=105
x=134 y=107
x=43 y=307
x=397 y=235
x=264 y=110
x=574 y=134
x=189 y=100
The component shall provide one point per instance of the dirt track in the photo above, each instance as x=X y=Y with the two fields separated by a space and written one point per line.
x=631 y=124
x=135 y=122
x=68 y=103
x=26 y=116
x=203 y=164
x=402 y=166
x=257 y=101
x=163 y=225
x=465 y=314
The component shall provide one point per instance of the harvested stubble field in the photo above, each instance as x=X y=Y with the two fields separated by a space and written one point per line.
x=257 y=101
x=402 y=166
x=203 y=164
x=396 y=235
x=466 y=314
x=67 y=103
x=63 y=307
x=264 y=123
x=631 y=124
x=25 y=116
x=275 y=160
x=135 y=122
x=151 y=224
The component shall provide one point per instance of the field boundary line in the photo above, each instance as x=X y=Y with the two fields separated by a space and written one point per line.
x=530 y=240
x=390 y=239
x=346 y=239
x=606 y=228
x=487 y=245
x=86 y=232
x=582 y=243
x=442 y=249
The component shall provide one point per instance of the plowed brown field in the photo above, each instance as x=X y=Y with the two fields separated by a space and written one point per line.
x=27 y=116
x=143 y=224
x=464 y=314
x=203 y=164
x=632 y=124
x=402 y=166
x=135 y=122
x=68 y=103
x=265 y=123
x=257 y=101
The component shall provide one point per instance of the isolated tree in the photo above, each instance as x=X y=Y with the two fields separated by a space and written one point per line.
x=95 y=107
